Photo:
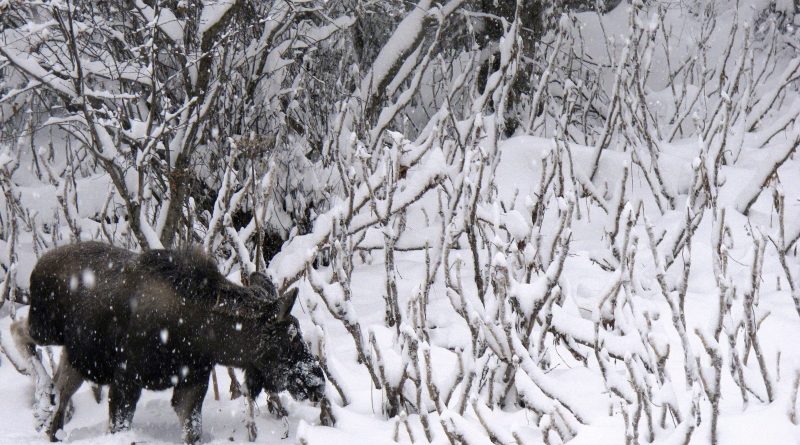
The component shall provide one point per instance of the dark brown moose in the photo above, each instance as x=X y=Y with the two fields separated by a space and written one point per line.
x=156 y=320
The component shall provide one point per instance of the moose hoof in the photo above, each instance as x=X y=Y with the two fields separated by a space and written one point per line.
x=119 y=427
x=56 y=436
x=252 y=431
x=192 y=439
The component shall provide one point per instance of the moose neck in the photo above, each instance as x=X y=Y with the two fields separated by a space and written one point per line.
x=234 y=337
x=234 y=341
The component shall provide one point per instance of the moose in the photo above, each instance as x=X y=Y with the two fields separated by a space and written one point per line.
x=157 y=320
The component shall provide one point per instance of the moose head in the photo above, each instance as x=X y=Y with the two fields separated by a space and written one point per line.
x=282 y=359
x=253 y=325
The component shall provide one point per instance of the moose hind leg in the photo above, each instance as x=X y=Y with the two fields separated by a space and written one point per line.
x=66 y=381
x=122 y=398
x=187 y=400
x=30 y=363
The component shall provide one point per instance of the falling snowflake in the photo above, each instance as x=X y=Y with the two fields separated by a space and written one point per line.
x=164 y=335
x=73 y=283
x=88 y=278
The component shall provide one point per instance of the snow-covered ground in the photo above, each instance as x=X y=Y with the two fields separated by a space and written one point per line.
x=155 y=421
x=582 y=284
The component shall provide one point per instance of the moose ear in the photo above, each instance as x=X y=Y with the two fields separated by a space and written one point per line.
x=262 y=281
x=287 y=302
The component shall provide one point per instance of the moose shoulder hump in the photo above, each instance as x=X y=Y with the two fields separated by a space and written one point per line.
x=194 y=276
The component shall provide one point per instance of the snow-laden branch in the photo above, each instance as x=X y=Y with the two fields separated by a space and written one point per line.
x=775 y=157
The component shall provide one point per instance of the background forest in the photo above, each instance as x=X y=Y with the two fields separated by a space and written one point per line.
x=511 y=222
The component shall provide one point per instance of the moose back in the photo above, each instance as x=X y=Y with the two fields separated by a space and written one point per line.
x=160 y=319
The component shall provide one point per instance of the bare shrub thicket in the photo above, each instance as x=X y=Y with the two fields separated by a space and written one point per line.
x=195 y=116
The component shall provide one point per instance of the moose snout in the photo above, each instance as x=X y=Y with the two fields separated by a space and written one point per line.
x=309 y=383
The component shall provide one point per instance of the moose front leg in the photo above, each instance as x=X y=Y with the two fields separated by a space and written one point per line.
x=122 y=398
x=253 y=385
x=187 y=400
x=275 y=406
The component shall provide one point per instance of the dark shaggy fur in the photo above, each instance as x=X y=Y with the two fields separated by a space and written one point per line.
x=162 y=319
x=53 y=276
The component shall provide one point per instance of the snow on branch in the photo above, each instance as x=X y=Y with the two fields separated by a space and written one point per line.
x=775 y=157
